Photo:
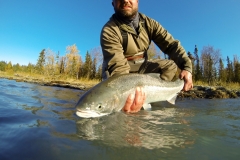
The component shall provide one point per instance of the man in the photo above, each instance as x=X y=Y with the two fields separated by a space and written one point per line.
x=125 y=39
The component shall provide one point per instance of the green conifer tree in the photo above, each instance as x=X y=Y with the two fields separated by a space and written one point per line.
x=41 y=62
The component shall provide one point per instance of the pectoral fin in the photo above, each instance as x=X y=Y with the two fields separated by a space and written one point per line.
x=147 y=106
x=172 y=99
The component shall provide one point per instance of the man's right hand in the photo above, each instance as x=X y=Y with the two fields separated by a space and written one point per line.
x=187 y=77
x=135 y=102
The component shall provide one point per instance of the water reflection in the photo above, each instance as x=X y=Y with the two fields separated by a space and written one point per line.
x=154 y=129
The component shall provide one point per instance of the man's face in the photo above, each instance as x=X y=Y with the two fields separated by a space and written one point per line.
x=125 y=8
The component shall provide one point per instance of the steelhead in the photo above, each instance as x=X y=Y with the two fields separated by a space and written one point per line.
x=110 y=95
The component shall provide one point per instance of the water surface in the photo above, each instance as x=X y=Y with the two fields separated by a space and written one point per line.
x=39 y=122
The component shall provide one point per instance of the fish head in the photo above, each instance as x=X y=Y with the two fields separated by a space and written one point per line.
x=92 y=105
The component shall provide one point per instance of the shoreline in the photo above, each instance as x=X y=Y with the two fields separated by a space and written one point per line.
x=207 y=92
x=48 y=82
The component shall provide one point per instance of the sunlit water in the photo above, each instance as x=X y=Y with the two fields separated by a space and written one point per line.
x=39 y=122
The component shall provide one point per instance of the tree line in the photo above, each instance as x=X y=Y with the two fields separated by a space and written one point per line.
x=208 y=66
x=71 y=65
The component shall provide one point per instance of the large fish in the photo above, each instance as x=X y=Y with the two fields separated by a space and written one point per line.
x=110 y=95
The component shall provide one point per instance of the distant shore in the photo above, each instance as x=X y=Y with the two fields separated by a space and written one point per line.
x=208 y=92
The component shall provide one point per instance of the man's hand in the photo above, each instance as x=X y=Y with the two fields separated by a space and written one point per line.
x=135 y=102
x=187 y=77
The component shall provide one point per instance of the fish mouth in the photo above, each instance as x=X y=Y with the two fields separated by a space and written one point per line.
x=89 y=114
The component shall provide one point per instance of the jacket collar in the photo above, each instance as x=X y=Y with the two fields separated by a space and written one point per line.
x=131 y=25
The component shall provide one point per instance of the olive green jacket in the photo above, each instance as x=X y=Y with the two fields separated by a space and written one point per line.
x=115 y=61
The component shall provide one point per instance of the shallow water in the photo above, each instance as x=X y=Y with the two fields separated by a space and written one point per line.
x=39 y=122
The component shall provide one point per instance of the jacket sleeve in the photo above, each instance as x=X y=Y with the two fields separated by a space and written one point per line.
x=169 y=45
x=113 y=58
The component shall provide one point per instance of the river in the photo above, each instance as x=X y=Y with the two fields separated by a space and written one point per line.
x=39 y=122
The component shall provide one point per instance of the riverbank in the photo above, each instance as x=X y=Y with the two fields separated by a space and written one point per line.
x=198 y=91
x=56 y=81
x=210 y=92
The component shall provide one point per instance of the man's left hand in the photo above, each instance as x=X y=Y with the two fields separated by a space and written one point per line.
x=187 y=77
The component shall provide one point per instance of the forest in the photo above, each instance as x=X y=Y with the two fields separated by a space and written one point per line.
x=208 y=65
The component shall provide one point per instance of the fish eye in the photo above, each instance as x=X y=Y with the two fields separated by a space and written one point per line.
x=100 y=106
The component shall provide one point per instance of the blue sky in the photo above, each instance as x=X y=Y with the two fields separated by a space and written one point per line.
x=28 y=26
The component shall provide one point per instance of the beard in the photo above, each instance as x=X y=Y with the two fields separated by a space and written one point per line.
x=129 y=14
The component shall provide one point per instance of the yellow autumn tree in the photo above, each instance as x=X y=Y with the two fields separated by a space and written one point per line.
x=49 y=68
x=153 y=52
x=9 y=67
x=73 y=61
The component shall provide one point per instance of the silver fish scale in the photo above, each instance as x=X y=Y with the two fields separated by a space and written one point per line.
x=154 y=87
